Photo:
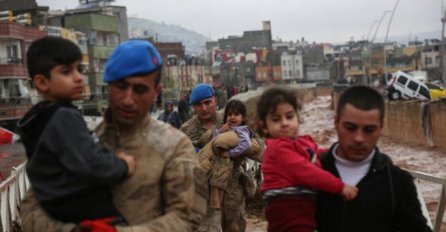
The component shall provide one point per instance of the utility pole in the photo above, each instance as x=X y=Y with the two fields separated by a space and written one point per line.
x=443 y=66
x=379 y=24
x=385 y=41
x=366 y=53
x=369 y=79
x=370 y=30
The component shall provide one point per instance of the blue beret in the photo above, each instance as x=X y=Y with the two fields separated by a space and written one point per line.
x=130 y=58
x=200 y=92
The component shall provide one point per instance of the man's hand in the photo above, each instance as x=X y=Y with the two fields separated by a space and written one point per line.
x=130 y=160
x=349 y=192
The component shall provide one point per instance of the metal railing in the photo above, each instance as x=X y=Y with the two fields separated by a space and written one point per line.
x=438 y=217
x=12 y=191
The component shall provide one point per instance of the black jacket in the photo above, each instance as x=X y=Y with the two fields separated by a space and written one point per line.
x=387 y=201
x=71 y=175
x=171 y=117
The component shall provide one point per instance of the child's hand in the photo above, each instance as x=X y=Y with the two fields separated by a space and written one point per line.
x=349 y=192
x=130 y=160
x=225 y=127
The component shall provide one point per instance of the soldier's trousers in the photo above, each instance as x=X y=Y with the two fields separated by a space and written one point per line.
x=212 y=222
x=233 y=219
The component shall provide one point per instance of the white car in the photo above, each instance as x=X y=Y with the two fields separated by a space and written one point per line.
x=404 y=86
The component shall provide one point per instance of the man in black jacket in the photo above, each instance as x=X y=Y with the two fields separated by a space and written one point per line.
x=387 y=198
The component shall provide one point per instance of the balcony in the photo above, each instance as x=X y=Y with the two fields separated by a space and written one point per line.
x=11 y=60
x=91 y=21
x=14 y=108
x=101 y=52
x=15 y=30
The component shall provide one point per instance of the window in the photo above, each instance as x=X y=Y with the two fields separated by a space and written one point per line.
x=290 y=73
x=413 y=85
x=105 y=40
x=284 y=63
x=402 y=80
x=428 y=60
x=284 y=73
x=12 y=53
x=297 y=62
x=297 y=73
x=425 y=92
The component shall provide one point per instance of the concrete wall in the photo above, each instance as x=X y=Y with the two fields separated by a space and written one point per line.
x=438 y=121
x=403 y=122
x=324 y=91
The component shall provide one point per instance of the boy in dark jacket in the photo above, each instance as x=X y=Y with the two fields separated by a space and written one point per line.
x=71 y=175
x=387 y=199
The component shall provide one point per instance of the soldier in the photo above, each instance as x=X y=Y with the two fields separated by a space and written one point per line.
x=167 y=191
x=200 y=129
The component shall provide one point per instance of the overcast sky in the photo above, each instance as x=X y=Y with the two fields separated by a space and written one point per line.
x=315 y=20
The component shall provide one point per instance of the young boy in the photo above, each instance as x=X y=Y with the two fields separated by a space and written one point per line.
x=71 y=175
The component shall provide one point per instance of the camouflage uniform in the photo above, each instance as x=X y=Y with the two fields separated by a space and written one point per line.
x=233 y=213
x=240 y=185
x=199 y=134
x=167 y=192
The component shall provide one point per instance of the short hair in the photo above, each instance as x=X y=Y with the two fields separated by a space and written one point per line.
x=362 y=97
x=48 y=52
x=271 y=98
x=235 y=106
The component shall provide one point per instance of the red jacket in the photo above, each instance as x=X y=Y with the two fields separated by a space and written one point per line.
x=286 y=162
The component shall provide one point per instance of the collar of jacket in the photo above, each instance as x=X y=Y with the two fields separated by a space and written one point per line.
x=108 y=125
x=380 y=161
x=218 y=120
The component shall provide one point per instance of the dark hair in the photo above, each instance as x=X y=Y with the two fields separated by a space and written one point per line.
x=48 y=52
x=271 y=98
x=236 y=106
x=363 y=98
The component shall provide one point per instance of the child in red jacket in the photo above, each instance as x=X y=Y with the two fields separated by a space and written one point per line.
x=290 y=166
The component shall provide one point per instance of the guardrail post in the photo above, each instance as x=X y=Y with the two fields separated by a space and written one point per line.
x=13 y=197
x=4 y=210
x=21 y=179
x=440 y=209
x=422 y=202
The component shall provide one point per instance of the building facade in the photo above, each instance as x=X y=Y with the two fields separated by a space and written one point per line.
x=15 y=92
x=104 y=27
x=292 y=67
